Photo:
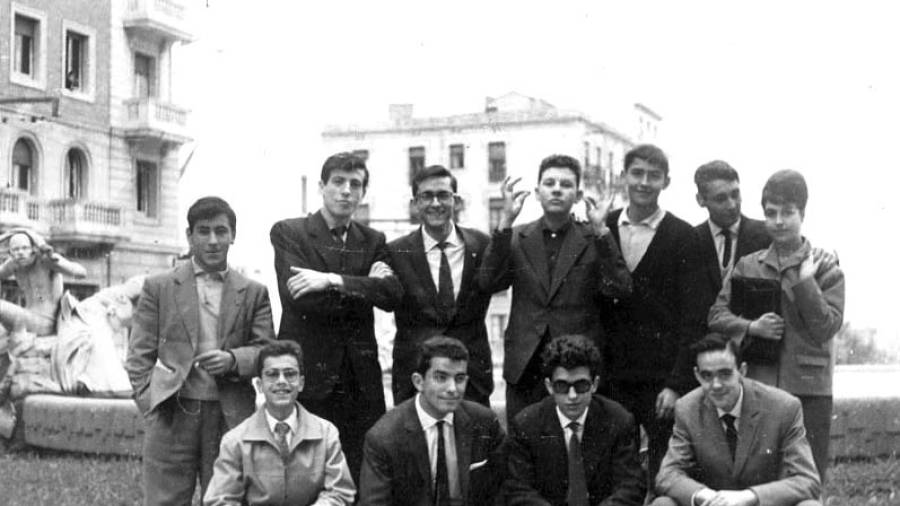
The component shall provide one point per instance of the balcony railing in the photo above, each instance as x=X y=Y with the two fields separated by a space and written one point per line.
x=84 y=222
x=148 y=117
x=166 y=18
x=19 y=209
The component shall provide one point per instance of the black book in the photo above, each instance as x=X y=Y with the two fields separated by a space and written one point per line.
x=750 y=299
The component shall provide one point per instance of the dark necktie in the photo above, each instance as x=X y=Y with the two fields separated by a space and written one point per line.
x=441 y=480
x=577 y=494
x=730 y=433
x=337 y=233
x=446 y=300
x=726 y=253
x=281 y=430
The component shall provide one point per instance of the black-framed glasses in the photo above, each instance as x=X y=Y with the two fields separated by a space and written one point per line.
x=581 y=386
x=272 y=375
x=442 y=196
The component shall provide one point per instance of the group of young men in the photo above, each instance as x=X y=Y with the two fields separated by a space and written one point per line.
x=614 y=305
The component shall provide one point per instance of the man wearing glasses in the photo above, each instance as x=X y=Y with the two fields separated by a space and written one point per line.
x=736 y=442
x=282 y=454
x=573 y=448
x=436 y=265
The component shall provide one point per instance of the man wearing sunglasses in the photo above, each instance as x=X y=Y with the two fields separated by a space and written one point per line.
x=282 y=454
x=574 y=447
x=736 y=442
x=436 y=265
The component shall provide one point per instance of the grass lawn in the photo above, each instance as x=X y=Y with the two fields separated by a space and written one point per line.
x=39 y=477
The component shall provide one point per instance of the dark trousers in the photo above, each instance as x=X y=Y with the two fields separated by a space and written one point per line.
x=530 y=388
x=640 y=399
x=352 y=412
x=181 y=443
x=817 y=420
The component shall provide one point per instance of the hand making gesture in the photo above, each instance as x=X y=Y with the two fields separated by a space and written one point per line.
x=512 y=202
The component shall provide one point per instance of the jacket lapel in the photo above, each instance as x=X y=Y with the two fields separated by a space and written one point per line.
x=416 y=446
x=749 y=424
x=233 y=293
x=354 y=251
x=534 y=251
x=188 y=302
x=462 y=431
x=469 y=262
x=710 y=255
x=420 y=265
x=594 y=432
x=709 y=417
x=323 y=243
x=573 y=246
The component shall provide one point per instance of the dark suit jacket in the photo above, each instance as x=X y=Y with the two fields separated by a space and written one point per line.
x=566 y=301
x=396 y=469
x=334 y=323
x=650 y=332
x=773 y=457
x=418 y=316
x=752 y=236
x=166 y=329
x=538 y=458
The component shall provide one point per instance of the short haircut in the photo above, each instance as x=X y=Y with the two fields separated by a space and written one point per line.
x=279 y=349
x=561 y=162
x=569 y=352
x=345 y=162
x=208 y=208
x=439 y=346
x=712 y=171
x=650 y=154
x=431 y=172
x=786 y=187
x=714 y=341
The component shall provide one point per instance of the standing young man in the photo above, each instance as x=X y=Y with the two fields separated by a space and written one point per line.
x=558 y=268
x=196 y=333
x=652 y=329
x=331 y=270
x=437 y=265
x=727 y=235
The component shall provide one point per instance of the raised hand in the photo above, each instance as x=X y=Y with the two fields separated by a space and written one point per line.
x=512 y=202
x=597 y=212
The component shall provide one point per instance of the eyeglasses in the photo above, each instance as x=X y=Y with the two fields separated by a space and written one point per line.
x=721 y=374
x=581 y=386
x=290 y=375
x=427 y=197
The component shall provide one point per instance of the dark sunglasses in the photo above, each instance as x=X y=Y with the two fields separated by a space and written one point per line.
x=581 y=386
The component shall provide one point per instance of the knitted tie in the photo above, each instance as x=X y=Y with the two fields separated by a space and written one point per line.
x=441 y=480
x=281 y=430
x=726 y=255
x=577 y=494
x=446 y=300
x=730 y=433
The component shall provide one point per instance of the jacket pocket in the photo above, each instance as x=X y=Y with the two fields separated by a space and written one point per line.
x=813 y=360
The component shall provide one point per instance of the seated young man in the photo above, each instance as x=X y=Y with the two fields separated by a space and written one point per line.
x=573 y=447
x=810 y=313
x=435 y=448
x=282 y=454
x=736 y=442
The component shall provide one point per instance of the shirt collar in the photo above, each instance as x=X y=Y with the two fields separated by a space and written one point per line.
x=198 y=270
x=564 y=421
x=427 y=420
x=293 y=421
x=430 y=243
x=736 y=410
x=651 y=221
x=716 y=230
x=561 y=230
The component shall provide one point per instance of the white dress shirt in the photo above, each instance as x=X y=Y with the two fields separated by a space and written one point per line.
x=429 y=426
x=719 y=241
x=455 y=251
x=292 y=421
x=636 y=237
x=564 y=421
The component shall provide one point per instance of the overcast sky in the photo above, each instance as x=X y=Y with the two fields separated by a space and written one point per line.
x=811 y=86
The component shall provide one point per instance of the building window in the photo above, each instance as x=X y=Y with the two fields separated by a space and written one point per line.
x=147 y=188
x=496 y=162
x=361 y=153
x=457 y=156
x=23 y=166
x=144 y=76
x=416 y=161
x=76 y=174
x=26 y=39
x=599 y=156
x=611 y=161
x=495 y=208
x=76 y=61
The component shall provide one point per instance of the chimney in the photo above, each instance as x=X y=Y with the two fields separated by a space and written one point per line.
x=400 y=112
